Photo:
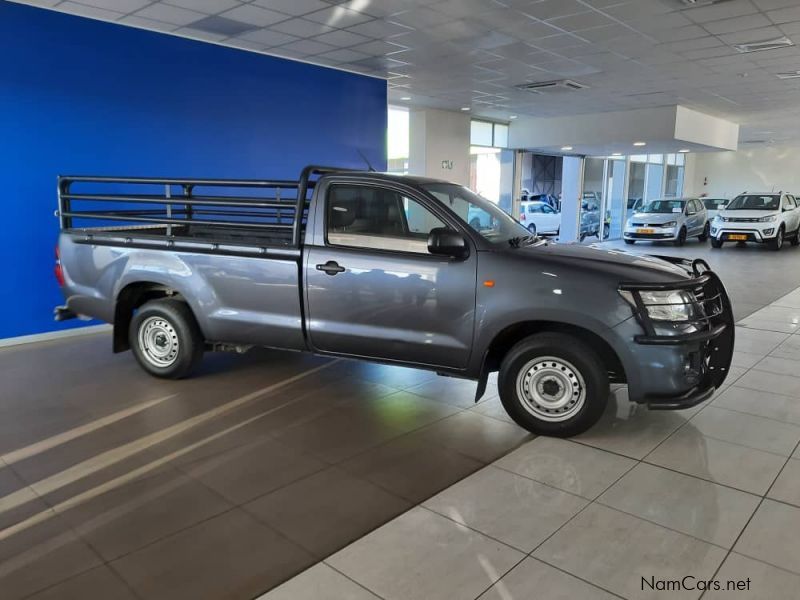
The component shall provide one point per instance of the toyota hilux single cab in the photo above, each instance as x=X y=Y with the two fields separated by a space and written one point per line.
x=387 y=268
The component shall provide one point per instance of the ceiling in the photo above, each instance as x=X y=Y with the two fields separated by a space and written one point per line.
x=458 y=54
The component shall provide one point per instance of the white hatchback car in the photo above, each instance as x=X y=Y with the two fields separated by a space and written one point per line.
x=765 y=218
x=540 y=218
x=668 y=220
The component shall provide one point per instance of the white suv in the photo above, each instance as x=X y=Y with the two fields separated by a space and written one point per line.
x=765 y=218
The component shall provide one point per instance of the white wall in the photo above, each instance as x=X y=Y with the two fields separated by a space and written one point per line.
x=436 y=136
x=726 y=174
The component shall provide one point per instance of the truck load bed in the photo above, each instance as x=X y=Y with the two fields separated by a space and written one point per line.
x=202 y=215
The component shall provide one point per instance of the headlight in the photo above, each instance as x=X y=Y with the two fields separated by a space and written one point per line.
x=669 y=305
x=768 y=219
x=721 y=218
x=670 y=224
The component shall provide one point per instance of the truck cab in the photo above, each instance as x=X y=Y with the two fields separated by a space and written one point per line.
x=389 y=268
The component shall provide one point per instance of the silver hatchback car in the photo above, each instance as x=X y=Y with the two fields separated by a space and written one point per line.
x=669 y=220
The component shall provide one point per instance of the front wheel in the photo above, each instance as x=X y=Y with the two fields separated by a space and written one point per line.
x=630 y=242
x=681 y=239
x=532 y=228
x=553 y=384
x=165 y=338
x=475 y=224
x=777 y=243
x=706 y=230
x=715 y=243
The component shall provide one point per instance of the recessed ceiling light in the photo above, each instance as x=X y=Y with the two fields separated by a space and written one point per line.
x=465 y=108
x=512 y=117
x=789 y=75
x=640 y=143
x=684 y=150
x=781 y=42
x=566 y=148
x=406 y=98
x=616 y=154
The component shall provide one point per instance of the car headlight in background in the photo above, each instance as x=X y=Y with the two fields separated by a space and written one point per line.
x=768 y=219
x=670 y=224
x=722 y=219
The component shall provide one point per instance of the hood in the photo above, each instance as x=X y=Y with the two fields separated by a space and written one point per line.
x=654 y=218
x=627 y=266
x=748 y=214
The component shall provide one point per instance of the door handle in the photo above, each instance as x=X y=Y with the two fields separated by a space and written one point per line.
x=331 y=267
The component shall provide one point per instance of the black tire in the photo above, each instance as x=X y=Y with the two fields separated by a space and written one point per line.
x=715 y=243
x=706 y=230
x=630 y=241
x=561 y=347
x=777 y=243
x=167 y=318
x=583 y=236
x=475 y=224
x=532 y=228
x=795 y=239
x=681 y=240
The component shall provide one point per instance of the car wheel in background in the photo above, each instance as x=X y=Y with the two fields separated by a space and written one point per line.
x=630 y=241
x=681 y=239
x=553 y=384
x=165 y=338
x=704 y=236
x=532 y=228
x=715 y=243
x=475 y=224
x=795 y=239
x=777 y=243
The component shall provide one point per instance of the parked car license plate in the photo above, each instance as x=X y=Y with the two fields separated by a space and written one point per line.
x=737 y=236
x=645 y=231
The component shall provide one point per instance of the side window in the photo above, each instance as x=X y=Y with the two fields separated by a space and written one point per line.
x=532 y=208
x=378 y=218
x=547 y=209
x=788 y=203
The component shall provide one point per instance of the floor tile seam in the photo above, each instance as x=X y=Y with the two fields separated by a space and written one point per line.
x=346 y=576
x=693 y=476
x=668 y=527
x=749 y=414
x=749 y=520
x=529 y=478
x=739 y=385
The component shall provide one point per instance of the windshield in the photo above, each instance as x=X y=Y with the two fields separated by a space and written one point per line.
x=663 y=206
x=755 y=202
x=480 y=214
x=714 y=203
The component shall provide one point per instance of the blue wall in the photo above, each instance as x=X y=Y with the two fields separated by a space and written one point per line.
x=84 y=97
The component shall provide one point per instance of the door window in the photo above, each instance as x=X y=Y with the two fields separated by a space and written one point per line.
x=377 y=218
x=547 y=209
x=788 y=203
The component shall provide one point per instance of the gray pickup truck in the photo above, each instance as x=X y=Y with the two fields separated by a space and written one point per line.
x=387 y=268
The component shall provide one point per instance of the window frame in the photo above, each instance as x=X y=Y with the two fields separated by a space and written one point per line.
x=403 y=191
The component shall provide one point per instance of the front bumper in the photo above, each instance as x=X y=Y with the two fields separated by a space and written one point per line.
x=681 y=371
x=659 y=233
x=732 y=233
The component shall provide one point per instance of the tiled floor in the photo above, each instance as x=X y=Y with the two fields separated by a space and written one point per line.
x=712 y=493
x=117 y=485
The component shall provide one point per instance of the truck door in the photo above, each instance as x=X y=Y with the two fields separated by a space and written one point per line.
x=374 y=290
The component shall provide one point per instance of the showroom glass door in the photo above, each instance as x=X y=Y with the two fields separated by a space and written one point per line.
x=654 y=188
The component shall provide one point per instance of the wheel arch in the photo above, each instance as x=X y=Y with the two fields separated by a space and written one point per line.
x=132 y=296
x=505 y=339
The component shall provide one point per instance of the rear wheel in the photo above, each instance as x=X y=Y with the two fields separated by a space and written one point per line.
x=777 y=242
x=795 y=239
x=553 y=384
x=715 y=243
x=165 y=338
x=475 y=224
x=681 y=239
x=704 y=236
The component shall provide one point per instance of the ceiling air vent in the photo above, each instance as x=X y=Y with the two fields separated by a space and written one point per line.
x=546 y=87
x=781 y=42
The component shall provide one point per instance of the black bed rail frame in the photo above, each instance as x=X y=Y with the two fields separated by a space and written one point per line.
x=181 y=208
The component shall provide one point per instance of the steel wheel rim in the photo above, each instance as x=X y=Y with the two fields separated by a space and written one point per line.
x=158 y=342
x=551 y=389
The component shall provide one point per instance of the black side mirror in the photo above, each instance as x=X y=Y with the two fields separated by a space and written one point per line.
x=446 y=242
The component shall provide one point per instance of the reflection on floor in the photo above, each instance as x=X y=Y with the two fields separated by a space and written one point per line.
x=642 y=500
x=117 y=485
